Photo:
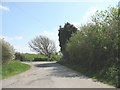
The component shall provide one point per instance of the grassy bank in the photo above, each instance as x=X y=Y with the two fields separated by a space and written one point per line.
x=13 y=68
x=102 y=76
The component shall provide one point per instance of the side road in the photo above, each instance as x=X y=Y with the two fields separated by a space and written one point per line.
x=50 y=75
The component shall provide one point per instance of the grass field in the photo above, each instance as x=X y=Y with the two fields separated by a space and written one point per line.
x=32 y=56
x=13 y=68
x=29 y=57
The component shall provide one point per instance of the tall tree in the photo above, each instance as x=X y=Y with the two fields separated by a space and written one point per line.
x=43 y=45
x=64 y=35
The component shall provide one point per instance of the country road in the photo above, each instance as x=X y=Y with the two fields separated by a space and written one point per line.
x=50 y=75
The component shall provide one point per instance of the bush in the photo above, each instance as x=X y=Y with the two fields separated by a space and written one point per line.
x=95 y=47
x=7 y=51
x=96 y=44
x=56 y=58
x=19 y=56
x=40 y=59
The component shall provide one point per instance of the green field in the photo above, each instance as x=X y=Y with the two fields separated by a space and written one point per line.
x=13 y=68
x=29 y=57
x=32 y=56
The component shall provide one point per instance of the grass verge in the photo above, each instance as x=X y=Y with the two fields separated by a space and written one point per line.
x=13 y=68
x=100 y=76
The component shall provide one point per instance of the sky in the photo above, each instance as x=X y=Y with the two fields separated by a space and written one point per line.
x=20 y=22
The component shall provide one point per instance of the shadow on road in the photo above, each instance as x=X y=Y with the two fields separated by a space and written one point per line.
x=46 y=65
x=58 y=70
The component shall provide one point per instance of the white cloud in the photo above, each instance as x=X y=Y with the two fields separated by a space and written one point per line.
x=76 y=24
x=9 y=39
x=87 y=17
x=18 y=38
x=119 y=4
x=22 y=49
x=90 y=12
x=4 y=8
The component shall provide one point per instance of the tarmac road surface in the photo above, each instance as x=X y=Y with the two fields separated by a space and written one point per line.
x=50 y=75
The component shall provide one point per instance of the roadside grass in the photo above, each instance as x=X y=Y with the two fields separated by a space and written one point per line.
x=13 y=68
x=100 y=76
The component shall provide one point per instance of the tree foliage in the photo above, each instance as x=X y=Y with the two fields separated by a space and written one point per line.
x=65 y=33
x=95 y=46
x=7 y=51
x=19 y=56
x=43 y=45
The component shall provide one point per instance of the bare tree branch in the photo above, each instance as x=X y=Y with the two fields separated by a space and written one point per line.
x=43 y=45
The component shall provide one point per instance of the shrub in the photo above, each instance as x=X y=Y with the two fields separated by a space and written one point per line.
x=95 y=46
x=40 y=59
x=19 y=56
x=96 y=43
x=7 y=51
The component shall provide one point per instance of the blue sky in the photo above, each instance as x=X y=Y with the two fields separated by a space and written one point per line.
x=22 y=21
